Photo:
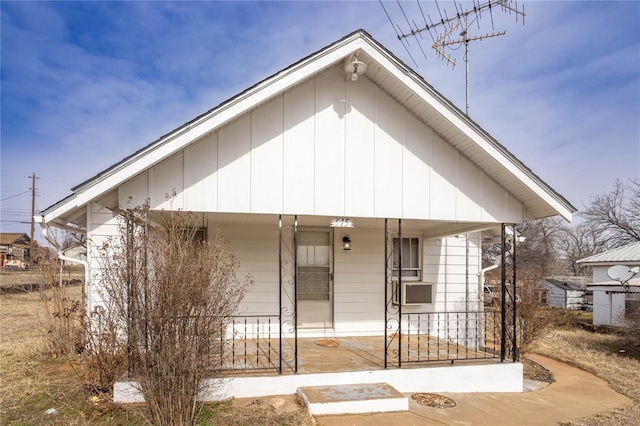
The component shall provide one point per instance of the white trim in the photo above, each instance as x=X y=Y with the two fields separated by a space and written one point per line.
x=279 y=83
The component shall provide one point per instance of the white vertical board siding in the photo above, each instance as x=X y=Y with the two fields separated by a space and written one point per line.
x=389 y=138
x=201 y=175
x=444 y=180
x=329 y=143
x=495 y=201
x=165 y=178
x=360 y=150
x=299 y=153
x=234 y=166
x=416 y=158
x=134 y=192
x=266 y=157
x=328 y=147
x=470 y=191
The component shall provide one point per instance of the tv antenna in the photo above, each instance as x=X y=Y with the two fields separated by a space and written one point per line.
x=451 y=32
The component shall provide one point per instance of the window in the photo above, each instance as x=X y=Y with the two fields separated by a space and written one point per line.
x=410 y=258
x=632 y=305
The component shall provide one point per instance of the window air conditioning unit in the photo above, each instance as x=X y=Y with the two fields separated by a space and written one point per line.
x=413 y=293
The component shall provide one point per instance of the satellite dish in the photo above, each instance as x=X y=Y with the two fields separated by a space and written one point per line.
x=621 y=273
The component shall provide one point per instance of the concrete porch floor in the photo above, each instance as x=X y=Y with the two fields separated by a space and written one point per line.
x=444 y=367
x=343 y=354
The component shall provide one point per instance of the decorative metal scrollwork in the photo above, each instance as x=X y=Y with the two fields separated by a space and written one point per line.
x=288 y=308
x=393 y=306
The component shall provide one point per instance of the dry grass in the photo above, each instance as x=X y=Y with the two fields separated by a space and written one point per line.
x=33 y=381
x=614 y=358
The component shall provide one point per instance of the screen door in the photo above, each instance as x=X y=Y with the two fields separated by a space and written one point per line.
x=315 y=282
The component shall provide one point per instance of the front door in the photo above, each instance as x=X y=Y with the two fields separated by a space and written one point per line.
x=315 y=283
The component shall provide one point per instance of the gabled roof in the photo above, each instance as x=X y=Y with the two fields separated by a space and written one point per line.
x=627 y=254
x=15 y=238
x=569 y=283
x=383 y=69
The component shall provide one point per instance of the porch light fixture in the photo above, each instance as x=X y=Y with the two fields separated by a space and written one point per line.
x=340 y=222
x=354 y=68
x=346 y=243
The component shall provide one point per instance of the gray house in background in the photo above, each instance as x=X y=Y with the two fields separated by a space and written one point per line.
x=614 y=303
x=567 y=292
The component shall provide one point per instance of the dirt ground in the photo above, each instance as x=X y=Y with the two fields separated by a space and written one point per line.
x=39 y=387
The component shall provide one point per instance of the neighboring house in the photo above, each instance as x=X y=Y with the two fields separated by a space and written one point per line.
x=317 y=169
x=567 y=293
x=14 y=250
x=614 y=303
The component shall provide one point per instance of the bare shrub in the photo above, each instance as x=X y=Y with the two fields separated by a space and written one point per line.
x=106 y=356
x=532 y=318
x=63 y=314
x=168 y=294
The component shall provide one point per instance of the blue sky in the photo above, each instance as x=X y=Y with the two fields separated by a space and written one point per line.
x=85 y=84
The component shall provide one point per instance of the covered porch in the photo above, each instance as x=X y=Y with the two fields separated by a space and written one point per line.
x=319 y=306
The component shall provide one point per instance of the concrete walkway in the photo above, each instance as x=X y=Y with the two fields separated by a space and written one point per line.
x=573 y=395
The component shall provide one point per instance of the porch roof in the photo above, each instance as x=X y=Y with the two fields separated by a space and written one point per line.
x=386 y=71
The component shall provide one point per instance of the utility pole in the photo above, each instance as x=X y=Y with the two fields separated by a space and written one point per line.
x=33 y=213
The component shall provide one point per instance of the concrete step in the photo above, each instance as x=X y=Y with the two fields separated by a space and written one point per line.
x=353 y=399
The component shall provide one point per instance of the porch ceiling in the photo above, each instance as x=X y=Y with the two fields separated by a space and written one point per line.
x=430 y=228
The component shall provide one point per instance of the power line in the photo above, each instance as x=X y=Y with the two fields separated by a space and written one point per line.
x=17 y=195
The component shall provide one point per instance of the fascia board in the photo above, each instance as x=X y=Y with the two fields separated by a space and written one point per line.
x=179 y=139
x=418 y=87
x=63 y=208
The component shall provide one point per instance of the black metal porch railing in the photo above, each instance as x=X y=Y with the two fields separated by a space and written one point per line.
x=450 y=336
x=250 y=342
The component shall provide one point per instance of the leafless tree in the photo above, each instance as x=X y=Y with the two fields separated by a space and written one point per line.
x=615 y=215
x=538 y=254
x=170 y=295
x=577 y=243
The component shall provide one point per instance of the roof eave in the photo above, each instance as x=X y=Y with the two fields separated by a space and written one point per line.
x=271 y=86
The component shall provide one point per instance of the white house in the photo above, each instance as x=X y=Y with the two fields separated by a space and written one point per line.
x=346 y=146
x=614 y=303
x=566 y=292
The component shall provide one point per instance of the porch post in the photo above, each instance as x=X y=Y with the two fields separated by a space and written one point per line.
x=386 y=289
x=295 y=290
x=280 y=291
x=399 y=293
x=514 y=297
x=503 y=287
x=392 y=297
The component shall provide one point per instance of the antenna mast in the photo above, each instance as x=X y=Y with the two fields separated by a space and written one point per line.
x=441 y=31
